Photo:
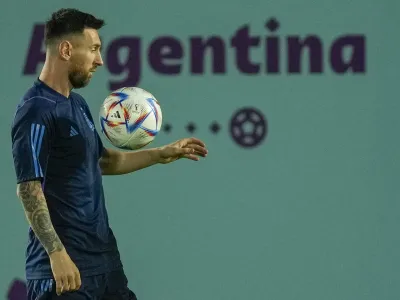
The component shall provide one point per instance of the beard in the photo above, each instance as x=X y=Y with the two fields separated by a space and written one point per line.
x=78 y=77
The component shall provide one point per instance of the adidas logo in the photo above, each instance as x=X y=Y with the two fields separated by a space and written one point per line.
x=116 y=115
x=73 y=132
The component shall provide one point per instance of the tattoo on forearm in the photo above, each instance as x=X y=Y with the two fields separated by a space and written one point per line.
x=37 y=213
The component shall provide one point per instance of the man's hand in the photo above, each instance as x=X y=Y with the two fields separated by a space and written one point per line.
x=65 y=272
x=190 y=148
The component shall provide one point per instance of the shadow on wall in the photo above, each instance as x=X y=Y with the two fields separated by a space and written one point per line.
x=17 y=290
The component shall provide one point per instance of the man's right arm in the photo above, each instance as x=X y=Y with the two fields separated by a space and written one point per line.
x=32 y=137
x=64 y=270
x=37 y=213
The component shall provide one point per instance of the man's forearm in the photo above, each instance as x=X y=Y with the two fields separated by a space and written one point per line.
x=114 y=162
x=31 y=195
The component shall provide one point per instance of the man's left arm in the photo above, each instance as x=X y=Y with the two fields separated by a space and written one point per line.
x=115 y=162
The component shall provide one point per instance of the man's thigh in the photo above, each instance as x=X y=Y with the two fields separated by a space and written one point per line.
x=117 y=287
x=92 y=288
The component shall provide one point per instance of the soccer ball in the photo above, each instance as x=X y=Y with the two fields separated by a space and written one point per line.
x=130 y=118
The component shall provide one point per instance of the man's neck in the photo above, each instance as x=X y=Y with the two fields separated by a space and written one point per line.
x=56 y=79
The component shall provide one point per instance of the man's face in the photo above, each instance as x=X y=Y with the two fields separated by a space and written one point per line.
x=85 y=58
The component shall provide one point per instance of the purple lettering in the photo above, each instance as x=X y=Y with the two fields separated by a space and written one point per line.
x=166 y=54
x=273 y=56
x=131 y=65
x=272 y=48
x=198 y=49
x=36 y=54
x=242 y=41
x=295 y=47
x=356 y=63
x=162 y=49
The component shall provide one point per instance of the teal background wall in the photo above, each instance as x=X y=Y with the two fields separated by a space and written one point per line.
x=311 y=213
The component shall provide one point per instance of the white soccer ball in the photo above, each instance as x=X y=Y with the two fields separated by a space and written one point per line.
x=130 y=118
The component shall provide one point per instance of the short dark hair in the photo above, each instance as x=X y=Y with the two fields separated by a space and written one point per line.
x=69 y=21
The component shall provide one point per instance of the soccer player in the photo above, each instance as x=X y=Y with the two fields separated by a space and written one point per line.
x=59 y=162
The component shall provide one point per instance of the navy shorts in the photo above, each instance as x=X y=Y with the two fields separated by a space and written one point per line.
x=111 y=286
